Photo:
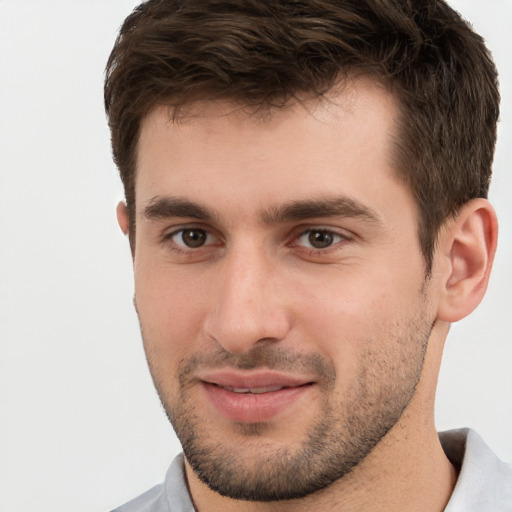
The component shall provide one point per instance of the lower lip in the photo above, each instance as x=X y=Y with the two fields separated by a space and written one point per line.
x=253 y=408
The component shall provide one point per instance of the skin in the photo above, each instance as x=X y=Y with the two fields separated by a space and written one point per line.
x=356 y=320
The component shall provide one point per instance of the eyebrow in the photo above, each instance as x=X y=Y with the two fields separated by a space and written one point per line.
x=163 y=207
x=320 y=208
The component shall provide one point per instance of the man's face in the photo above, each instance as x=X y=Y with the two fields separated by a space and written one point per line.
x=280 y=288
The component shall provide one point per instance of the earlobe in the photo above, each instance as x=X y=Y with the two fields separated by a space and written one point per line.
x=122 y=217
x=468 y=245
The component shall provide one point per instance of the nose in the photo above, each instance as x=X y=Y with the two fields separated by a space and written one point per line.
x=249 y=302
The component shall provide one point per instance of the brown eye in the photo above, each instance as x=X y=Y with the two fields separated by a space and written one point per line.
x=192 y=238
x=320 y=239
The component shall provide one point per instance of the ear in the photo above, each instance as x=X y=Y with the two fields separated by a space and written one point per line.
x=467 y=248
x=122 y=217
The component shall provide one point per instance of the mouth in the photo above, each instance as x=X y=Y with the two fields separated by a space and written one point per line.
x=255 y=391
x=256 y=397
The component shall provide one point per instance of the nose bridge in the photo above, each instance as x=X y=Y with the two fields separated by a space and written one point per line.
x=248 y=306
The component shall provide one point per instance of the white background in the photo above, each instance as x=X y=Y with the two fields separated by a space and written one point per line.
x=81 y=428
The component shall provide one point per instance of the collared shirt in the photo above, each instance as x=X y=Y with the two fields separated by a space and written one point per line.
x=484 y=483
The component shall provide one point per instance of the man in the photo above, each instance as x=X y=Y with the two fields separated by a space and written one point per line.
x=306 y=189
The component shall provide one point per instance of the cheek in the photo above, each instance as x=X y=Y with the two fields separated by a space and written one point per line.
x=354 y=311
x=170 y=307
x=346 y=299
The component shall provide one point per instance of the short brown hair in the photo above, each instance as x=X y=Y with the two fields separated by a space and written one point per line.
x=264 y=53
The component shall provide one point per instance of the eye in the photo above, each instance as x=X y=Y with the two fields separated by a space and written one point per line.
x=192 y=238
x=319 y=238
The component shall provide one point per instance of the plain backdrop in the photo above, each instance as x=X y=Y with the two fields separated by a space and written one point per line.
x=81 y=428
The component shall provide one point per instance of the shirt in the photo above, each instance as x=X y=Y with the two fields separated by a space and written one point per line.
x=484 y=483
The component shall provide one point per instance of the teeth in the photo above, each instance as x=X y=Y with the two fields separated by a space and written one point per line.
x=265 y=390
x=255 y=391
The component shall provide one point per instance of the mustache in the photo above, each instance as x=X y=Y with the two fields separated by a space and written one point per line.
x=264 y=356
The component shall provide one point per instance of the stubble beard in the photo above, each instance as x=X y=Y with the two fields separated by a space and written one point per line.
x=349 y=425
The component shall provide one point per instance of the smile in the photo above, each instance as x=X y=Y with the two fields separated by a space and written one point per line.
x=254 y=391
x=253 y=397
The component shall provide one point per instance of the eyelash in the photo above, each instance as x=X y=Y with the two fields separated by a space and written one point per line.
x=167 y=239
x=338 y=236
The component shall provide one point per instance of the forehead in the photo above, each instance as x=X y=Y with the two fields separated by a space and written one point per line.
x=220 y=152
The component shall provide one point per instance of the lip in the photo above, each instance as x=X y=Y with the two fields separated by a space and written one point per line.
x=271 y=394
